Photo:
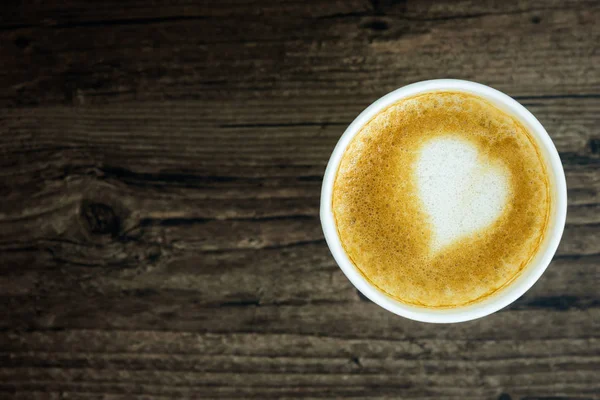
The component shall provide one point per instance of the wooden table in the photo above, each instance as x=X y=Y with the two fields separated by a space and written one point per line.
x=161 y=165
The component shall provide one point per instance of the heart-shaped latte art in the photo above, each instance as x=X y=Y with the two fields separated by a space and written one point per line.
x=461 y=191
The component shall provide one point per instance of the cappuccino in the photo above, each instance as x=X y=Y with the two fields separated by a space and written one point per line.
x=441 y=199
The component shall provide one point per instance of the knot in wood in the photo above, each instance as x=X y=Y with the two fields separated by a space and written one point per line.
x=100 y=218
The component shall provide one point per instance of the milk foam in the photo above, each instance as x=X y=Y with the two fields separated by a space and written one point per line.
x=461 y=190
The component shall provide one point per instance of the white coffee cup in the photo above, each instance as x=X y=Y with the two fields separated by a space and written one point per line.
x=525 y=279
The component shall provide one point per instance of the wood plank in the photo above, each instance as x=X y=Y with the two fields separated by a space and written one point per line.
x=270 y=56
x=124 y=362
x=217 y=127
x=185 y=311
x=167 y=382
x=146 y=344
x=111 y=11
x=114 y=12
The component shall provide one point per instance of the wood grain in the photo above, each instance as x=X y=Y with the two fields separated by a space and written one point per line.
x=160 y=172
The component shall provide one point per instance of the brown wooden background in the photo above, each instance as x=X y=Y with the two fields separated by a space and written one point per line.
x=160 y=171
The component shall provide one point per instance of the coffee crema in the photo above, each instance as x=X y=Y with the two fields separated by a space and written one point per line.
x=441 y=199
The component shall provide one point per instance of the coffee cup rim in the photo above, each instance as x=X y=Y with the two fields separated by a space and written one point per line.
x=526 y=278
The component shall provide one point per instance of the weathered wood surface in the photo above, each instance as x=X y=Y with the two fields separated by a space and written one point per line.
x=160 y=175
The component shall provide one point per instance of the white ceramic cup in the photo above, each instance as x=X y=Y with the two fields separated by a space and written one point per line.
x=526 y=278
